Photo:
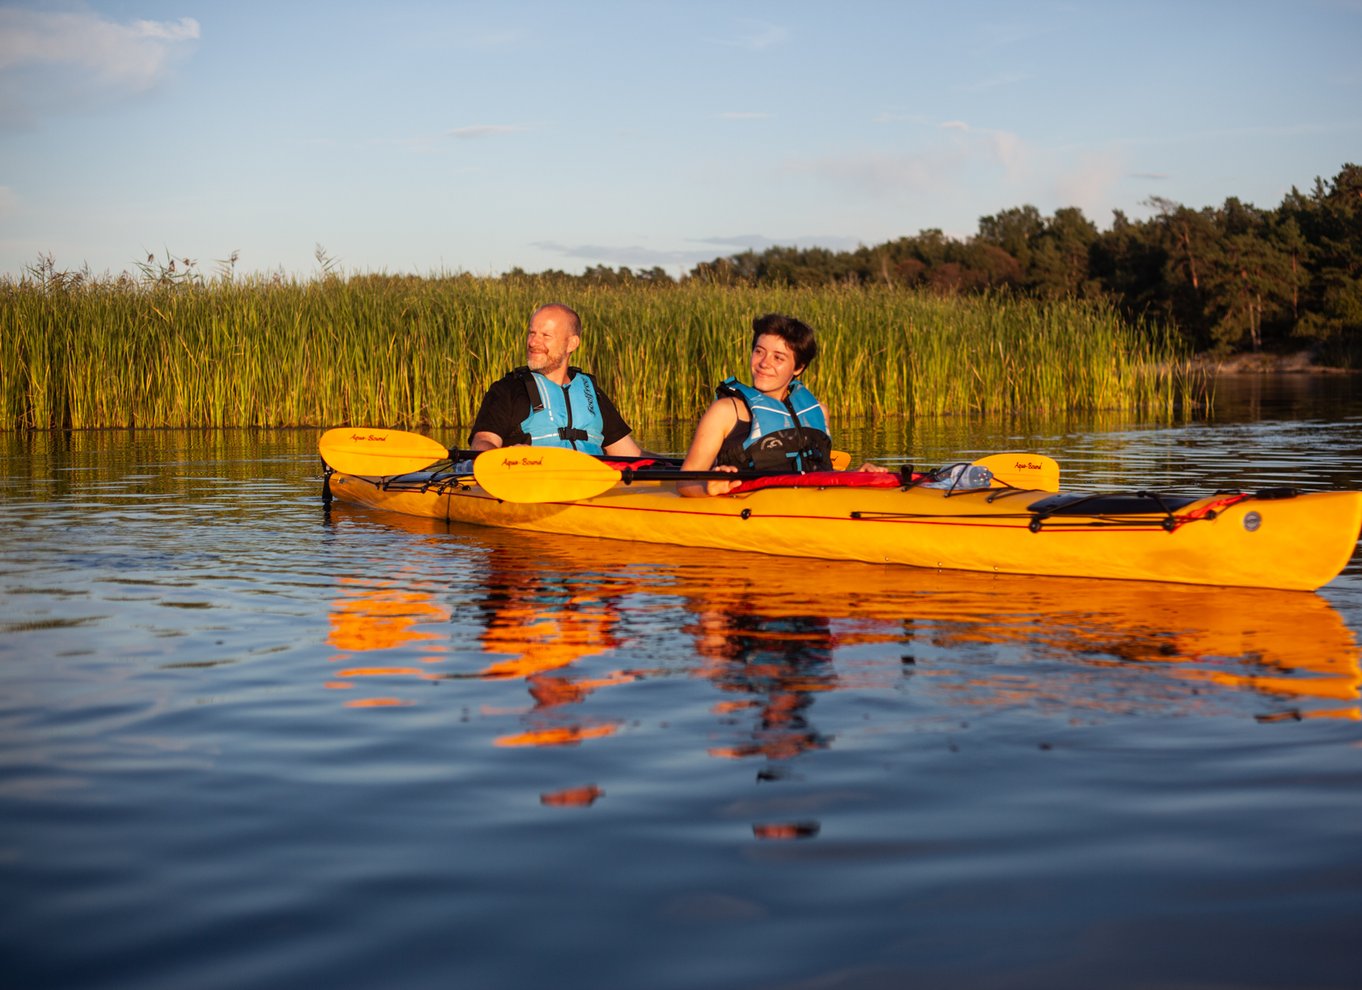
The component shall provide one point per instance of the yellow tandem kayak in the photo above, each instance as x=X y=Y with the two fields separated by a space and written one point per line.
x=1273 y=539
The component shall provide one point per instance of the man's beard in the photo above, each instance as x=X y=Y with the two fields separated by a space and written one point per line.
x=543 y=363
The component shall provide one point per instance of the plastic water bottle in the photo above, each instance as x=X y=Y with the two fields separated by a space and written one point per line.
x=962 y=477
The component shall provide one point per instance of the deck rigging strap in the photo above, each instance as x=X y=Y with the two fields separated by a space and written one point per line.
x=1123 y=509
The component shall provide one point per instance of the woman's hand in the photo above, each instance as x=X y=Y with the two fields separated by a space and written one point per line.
x=722 y=486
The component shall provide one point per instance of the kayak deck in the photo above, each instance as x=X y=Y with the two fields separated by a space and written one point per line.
x=1273 y=539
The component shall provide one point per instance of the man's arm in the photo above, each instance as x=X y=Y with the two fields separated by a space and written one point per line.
x=624 y=447
x=484 y=440
x=613 y=425
x=496 y=417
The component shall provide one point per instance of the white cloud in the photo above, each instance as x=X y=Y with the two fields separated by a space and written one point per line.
x=185 y=29
x=493 y=40
x=135 y=54
x=756 y=36
x=1002 y=147
x=52 y=62
x=878 y=173
x=1089 y=183
x=1010 y=152
x=477 y=131
x=642 y=258
x=632 y=255
x=1003 y=81
x=896 y=117
x=943 y=162
x=760 y=242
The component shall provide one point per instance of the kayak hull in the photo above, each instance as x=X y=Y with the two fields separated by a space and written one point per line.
x=1299 y=542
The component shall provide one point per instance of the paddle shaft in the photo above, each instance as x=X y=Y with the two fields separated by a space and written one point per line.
x=629 y=475
x=457 y=454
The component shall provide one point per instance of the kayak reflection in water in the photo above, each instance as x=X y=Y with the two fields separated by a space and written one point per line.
x=775 y=424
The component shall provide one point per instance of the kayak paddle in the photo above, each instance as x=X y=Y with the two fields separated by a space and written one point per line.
x=1035 y=471
x=556 y=474
x=367 y=451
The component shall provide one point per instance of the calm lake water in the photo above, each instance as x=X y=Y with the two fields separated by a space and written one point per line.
x=245 y=742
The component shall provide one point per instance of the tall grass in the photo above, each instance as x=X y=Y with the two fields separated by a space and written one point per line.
x=420 y=352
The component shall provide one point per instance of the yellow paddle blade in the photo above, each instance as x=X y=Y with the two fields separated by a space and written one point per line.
x=1034 y=471
x=841 y=460
x=367 y=451
x=542 y=474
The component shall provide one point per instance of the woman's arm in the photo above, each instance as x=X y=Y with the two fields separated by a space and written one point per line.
x=715 y=425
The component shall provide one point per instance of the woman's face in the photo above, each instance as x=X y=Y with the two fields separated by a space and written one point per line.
x=773 y=365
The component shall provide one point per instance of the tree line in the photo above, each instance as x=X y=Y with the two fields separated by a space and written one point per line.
x=1227 y=279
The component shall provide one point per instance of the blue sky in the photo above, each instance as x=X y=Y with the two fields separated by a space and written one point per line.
x=442 y=137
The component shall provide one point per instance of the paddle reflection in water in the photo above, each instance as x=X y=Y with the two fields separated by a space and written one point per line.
x=806 y=656
x=372 y=614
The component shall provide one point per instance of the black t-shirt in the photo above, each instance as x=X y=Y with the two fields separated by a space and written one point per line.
x=507 y=404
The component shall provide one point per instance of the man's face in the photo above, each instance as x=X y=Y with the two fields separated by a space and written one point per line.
x=549 y=342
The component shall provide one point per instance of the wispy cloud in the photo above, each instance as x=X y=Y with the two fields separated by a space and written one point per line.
x=877 y=173
x=1024 y=33
x=632 y=255
x=760 y=242
x=941 y=163
x=1003 y=147
x=476 y=132
x=52 y=62
x=897 y=117
x=641 y=258
x=755 y=36
x=493 y=40
x=1004 y=80
x=1088 y=182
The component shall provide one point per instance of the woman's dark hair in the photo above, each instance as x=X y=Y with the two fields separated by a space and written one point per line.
x=796 y=333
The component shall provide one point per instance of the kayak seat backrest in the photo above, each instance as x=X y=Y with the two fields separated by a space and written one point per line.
x=1118 y=504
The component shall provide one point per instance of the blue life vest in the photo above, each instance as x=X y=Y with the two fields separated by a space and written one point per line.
x=783 y=436
x=564 y=416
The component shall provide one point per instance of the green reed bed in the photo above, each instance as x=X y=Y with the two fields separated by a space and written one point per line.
x=412 y=352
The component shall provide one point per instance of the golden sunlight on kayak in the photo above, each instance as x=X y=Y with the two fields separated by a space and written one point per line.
x=1267 y=538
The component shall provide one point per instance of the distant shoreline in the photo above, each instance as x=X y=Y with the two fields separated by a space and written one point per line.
x=1300 y=363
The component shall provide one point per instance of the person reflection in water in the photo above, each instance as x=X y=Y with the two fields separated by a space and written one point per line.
x=542 y=624
x=777 y=665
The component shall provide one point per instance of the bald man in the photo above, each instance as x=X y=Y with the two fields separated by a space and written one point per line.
x=549 y=403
